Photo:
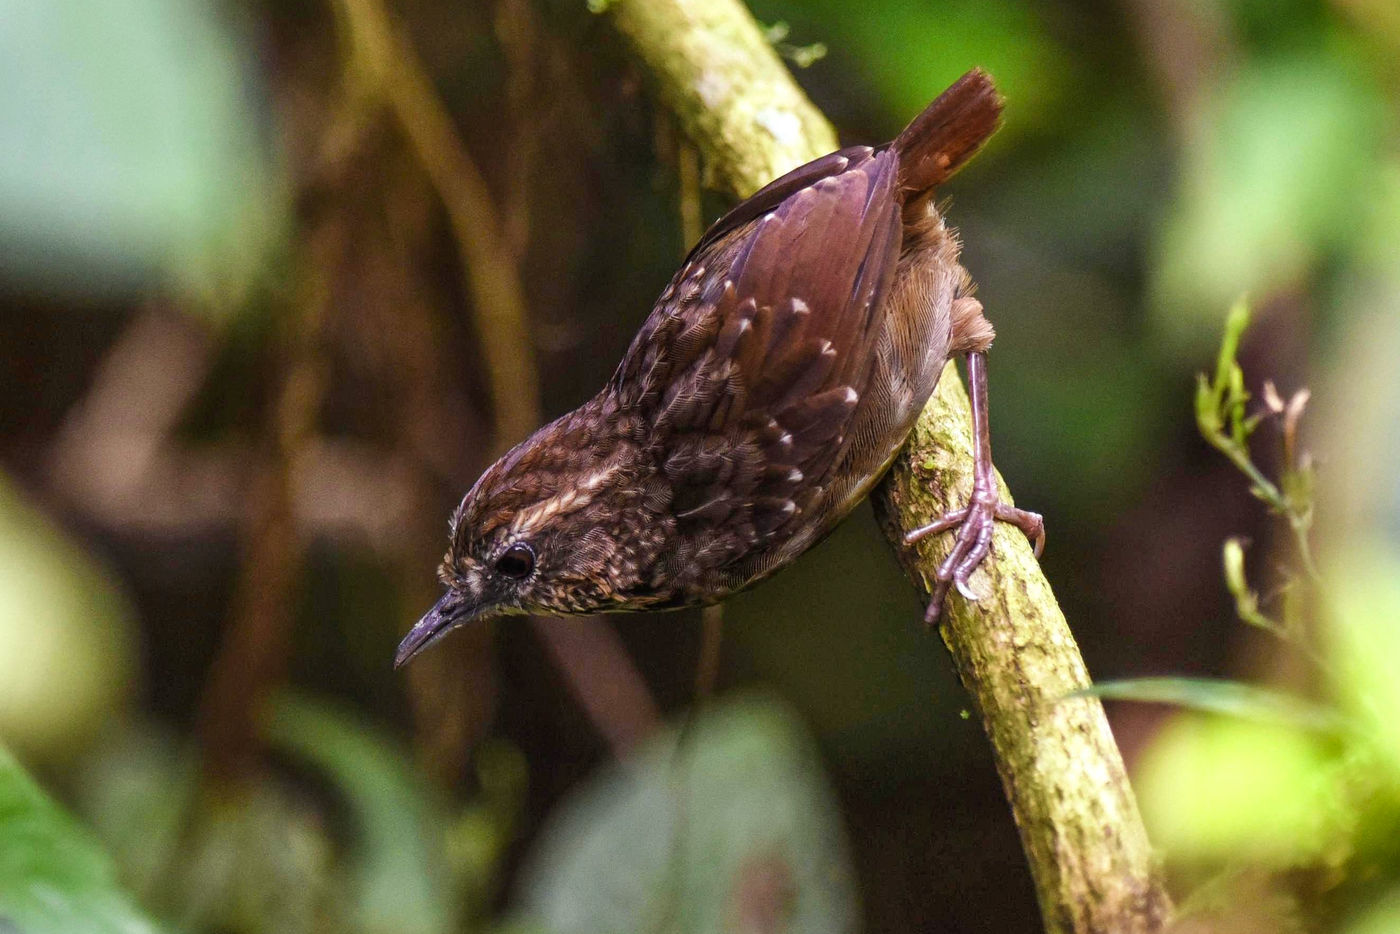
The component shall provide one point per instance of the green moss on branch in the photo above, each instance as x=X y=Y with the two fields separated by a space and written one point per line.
x=1093 y=867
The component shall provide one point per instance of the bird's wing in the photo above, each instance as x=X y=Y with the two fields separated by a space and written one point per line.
x=779 y=190
x=750 y=369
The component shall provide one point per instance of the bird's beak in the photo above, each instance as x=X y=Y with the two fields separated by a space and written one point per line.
x=453 y=610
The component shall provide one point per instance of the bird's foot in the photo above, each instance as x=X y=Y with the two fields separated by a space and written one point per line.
x=978 y=518
x=974 y=523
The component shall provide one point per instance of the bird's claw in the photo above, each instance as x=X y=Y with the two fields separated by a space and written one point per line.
x=1032 y=523
x=978 y=518
x=974 y=523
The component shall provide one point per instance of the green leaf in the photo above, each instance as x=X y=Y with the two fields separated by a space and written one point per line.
x=1207 y=407
x=53 y=878
x=67 y=640
x=1364 y=631
x=399 y=880
x=138 y=791
x=1231 y=698
x=1222 y=788
x=129 y=147
x=1246 y=600
x=1227 y=368
x=735 y=821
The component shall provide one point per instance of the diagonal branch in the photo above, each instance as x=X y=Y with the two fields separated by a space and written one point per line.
x=1063 y=775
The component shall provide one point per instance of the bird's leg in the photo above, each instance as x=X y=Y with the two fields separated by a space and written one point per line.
x=975 y=521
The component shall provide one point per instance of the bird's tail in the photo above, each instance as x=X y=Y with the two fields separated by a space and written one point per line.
x=948 y=132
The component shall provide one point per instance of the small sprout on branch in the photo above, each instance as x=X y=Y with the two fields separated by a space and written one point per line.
x=1221 y=415
x=777 y=32
x=1246 y=600
x=1290 y=627
x=803 y=56
x=1223 y=421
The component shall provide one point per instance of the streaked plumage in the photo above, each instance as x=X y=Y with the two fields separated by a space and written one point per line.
x=779 y=373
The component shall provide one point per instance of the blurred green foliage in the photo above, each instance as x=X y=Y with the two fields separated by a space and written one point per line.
x=1272 y=783
x=905 y=49
x=374 y=856
x=1290 y=150
x=66 y=634
x=726 y=826
x=725 y=820
x=1237 y=791
x=1158 y=160
x=396 y=881
x=130 y=148
x=54 y=879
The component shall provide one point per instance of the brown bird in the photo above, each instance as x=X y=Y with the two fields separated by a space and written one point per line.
x=776 y=378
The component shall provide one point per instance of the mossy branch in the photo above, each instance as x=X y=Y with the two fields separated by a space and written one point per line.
x=1078 y=819
x=1089 y=855
x=717 y=72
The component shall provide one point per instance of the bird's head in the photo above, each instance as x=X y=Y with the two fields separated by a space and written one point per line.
x=550 y=529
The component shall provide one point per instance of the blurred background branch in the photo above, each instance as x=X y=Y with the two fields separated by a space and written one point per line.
x=595 y=664
x=388 y=66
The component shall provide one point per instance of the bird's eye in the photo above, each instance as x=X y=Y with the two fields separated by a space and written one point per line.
x=516 y=562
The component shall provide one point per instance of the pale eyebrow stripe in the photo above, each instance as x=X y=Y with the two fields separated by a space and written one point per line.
x=576 y=497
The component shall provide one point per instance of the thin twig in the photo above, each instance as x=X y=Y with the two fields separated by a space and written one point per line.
x=711 y=642
x=688 y=171
x=252 y=659
x=392 y=69
x=517 y=32
x=692 y=228
x=601 y=675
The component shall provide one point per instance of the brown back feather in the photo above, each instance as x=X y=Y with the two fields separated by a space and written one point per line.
x=749 y=378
